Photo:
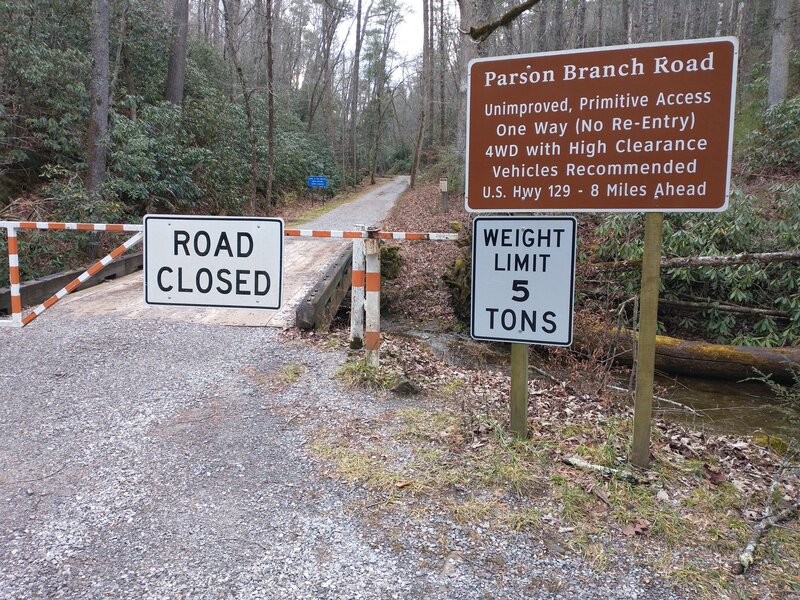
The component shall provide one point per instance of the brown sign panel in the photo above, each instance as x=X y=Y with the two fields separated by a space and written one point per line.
x=645 y=127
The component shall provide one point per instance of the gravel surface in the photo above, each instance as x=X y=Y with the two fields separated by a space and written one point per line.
x=153 y=459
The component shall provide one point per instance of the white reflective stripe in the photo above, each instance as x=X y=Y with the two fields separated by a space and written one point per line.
x=105 y=260
x=39 y=309
x=15 y=289
x=12 y=232
x=83 y=277
x=337 y=234
x=100 y=227
x=306 y=233
x=70 y=225
x=134 y=240
x=61 y=293
x=132 y=227
x=13 y=260
x=398 y=235
x=42 y=225
x=443 y=237
x=15 y=322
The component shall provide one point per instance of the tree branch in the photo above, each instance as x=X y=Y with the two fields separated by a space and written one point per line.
x=482 y=32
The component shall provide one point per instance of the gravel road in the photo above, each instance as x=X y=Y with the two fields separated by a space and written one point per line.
x=154 y=459
x=369 y=209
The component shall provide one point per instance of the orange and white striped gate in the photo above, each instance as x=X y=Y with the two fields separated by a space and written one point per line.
x=366 y=271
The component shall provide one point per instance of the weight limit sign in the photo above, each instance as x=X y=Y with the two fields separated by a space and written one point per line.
x=523 y=279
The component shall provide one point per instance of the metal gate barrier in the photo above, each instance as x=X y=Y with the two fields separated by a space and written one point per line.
x=366 y=278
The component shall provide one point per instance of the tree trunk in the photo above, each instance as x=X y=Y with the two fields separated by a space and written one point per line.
x=118 y=57
x=467 y=51
x=98 y=91
x=581 y=24
x=558 y=25
x=176 y=72
x=541 y=42
x=354 y=96
x=270 y=107
x=426 y=64
x=442 y=69
x=431 y=21
x=779 y=63
x=600 y=14
x=417 y=148
x=231 y=12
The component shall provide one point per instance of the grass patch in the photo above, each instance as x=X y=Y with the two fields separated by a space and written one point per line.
x=359 y=373
x=681 y=524
x=291 y=373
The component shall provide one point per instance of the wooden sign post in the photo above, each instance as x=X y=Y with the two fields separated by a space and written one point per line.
x=638 y=128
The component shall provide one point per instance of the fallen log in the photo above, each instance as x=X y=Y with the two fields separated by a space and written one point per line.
x=744 y=258
x=697 y=359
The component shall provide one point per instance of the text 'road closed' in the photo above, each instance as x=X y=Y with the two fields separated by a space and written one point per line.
x=231 y=262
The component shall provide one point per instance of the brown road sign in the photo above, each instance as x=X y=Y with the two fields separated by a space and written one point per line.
x=646 y=127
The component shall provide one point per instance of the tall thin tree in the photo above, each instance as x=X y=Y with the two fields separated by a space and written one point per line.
x=779 y=62
x=176 y=71
x=97 y=133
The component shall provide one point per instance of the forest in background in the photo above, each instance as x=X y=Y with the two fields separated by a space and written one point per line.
x=111 y=109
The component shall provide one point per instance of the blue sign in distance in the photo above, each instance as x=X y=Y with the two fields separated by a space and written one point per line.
x=317 y=181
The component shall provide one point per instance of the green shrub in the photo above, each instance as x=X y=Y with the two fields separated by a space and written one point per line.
x=777 y=143
x=749 y=225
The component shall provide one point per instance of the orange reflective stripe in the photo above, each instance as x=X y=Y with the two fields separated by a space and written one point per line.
x=56 y=225
x=373 y=282
x=16 y=305
x=94 y=269
x=27 y=225
x=372 y=340
x=72 y=285
x=13 y=274
x=115 y=228
x=358 y=278
x=85 y=227
x=13 y=248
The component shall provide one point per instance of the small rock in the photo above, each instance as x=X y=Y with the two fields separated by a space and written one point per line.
x=554 y=547
x=450 y=565
x=406 y=387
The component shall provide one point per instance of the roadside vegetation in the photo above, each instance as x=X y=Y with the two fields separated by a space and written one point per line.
x=447 y=451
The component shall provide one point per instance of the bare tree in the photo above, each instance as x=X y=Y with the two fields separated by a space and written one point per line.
x=97 y=133
x=270 y=105
x=176 y=71
x=779 y=62
x=231 y=17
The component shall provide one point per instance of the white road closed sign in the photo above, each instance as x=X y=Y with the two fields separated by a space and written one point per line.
x=229 y=262
x=523 y=279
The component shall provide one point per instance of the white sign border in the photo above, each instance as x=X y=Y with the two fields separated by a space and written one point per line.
x=160 y=217
x=733 y=40
x=573 y=262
